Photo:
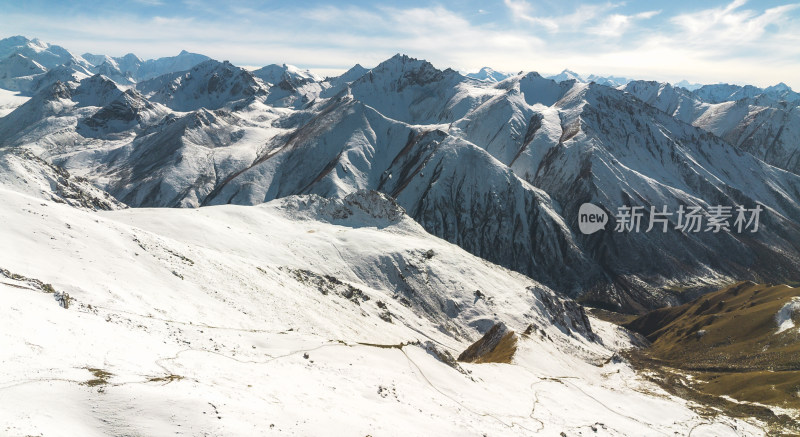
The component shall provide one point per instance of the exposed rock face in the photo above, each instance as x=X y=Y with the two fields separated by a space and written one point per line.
x=364 y=206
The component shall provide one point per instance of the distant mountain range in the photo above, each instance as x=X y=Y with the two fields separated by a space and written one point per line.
x=497 y=164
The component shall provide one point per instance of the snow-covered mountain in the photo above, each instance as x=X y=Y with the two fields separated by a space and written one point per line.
x=275 y=74
x=760 y=121
x=46 y=55
x=567 y=74
x=290 y=86
x=18 y=65
x=688 y=85
x=135 y=69
x=499 y=168
x=730 y=93
x=489 y=75
x=612 y=81
x=210 y=84
x=24 y=63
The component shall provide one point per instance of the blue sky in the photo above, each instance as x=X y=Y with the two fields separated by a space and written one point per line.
x=733 y=41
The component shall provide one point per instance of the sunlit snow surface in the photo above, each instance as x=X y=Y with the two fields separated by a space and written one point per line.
x=204 y=328
x=9 y=101
x=784 y=316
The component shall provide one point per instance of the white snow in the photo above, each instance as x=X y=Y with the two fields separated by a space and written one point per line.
x=205 y=327
x=10 y=100
x=784 y=317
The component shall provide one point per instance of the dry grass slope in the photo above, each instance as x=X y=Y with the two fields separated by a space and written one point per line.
x=728 y=341
x=498 y=345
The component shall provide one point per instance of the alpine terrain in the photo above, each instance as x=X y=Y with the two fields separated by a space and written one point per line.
x=199 y=248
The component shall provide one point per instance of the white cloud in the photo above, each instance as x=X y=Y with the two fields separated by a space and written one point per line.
x=732 y=24
x=575 y=21
x=616 y=25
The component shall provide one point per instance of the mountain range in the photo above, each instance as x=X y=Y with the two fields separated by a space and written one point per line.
x=497 y=165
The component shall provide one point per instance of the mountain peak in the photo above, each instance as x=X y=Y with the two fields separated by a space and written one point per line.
x=275 y=74
x=16 y=39
x=488 y=74
x=403 y=60
x=355 y=72
x=211 y=84
x=567 y=74
x=780 y=86
x=401 y=71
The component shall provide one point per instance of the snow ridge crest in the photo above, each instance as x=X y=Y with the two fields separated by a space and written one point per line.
x=358 y=209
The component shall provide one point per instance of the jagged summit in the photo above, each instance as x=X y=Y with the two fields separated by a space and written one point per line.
x=403 y=65
x=413 y=90
x=210 y=84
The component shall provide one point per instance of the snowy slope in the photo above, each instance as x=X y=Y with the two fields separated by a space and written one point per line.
x=302 y=316
x=9 y=101
x=24 y=62
x=18 y=65
x=26 y=173
x=179 y=161
x=575 y=142
x=666 y=163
